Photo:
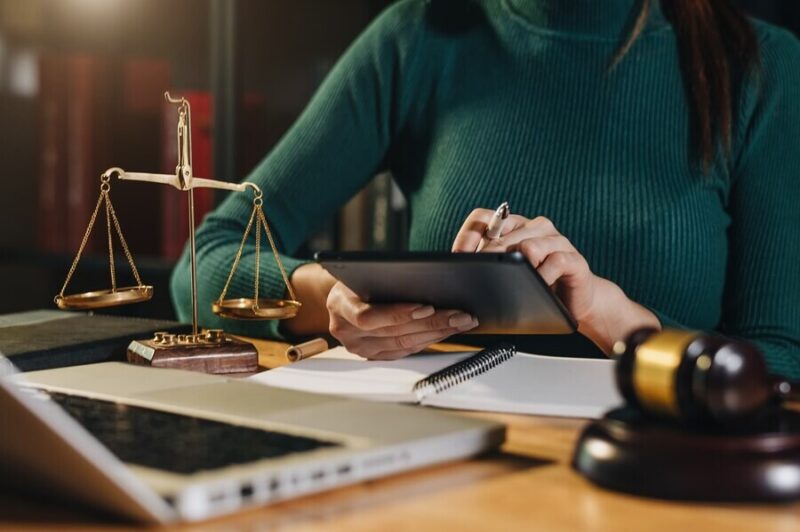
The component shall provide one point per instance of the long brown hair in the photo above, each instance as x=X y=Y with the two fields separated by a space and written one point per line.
x=718 y=48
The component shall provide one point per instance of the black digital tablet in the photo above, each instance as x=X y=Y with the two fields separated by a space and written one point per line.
x=505 y=293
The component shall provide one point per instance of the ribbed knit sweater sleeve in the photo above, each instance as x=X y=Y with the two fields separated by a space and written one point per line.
x=762 y=290
x=762 y=286
x=338 y=143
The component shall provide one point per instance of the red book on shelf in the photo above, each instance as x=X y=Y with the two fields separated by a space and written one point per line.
x=88 y=131
x=51 y=228
x=174 y=203
x=74 y=124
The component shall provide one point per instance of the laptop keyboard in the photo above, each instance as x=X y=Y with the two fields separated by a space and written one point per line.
x=178 y=443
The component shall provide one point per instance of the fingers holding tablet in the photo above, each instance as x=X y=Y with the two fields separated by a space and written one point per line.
x=389 y=331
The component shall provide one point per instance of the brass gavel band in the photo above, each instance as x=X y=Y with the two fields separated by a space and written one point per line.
x=306 y=349
x=656 y=364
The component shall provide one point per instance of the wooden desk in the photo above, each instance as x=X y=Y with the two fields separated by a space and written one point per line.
x=528 y=485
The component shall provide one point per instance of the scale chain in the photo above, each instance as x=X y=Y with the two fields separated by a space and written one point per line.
x=277 y=255
x=83 y=244
x=258 y=213
x=110 y=243
x=111 y=218
x=122 y=241
x=258 y=258
x=238 y=254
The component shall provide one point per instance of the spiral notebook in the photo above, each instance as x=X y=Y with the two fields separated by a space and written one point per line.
x=495 y=379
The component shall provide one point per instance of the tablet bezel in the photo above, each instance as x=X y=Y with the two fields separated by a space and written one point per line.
x=349 y=267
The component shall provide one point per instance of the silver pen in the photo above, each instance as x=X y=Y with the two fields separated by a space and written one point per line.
x=495 y=228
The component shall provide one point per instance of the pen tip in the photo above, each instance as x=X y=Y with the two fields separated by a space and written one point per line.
x=504 y=210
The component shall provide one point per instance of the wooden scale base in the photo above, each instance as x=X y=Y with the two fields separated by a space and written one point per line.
x=209 y=352
x=628 y=452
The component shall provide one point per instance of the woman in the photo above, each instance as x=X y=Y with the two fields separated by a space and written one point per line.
x=651 y=153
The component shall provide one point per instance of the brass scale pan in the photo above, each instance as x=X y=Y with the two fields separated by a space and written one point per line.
x=255 y=308
x=244 y=308
x=114 y=296
x=105 y=298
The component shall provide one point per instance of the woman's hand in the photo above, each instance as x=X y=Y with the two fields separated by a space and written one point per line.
x=603 y=312
x=389 y=331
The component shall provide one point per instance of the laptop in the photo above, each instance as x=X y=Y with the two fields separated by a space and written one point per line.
x=162 y=445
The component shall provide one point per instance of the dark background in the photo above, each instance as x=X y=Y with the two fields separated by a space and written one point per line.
x=258 y=61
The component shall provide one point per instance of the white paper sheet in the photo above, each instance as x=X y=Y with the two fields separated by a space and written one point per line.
x=339 y=372
x=535 y=384
x=525 y=384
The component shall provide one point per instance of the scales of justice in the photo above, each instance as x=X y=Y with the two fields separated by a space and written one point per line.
x=208 y=350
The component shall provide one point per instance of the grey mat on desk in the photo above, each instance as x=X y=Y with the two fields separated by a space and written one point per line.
x=44 y=339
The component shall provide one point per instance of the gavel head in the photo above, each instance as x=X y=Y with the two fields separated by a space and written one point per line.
x=692 y=377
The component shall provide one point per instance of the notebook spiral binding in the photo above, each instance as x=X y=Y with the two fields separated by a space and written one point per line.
x=463 y=371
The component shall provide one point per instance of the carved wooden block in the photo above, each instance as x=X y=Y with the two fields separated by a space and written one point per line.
x=207 y=352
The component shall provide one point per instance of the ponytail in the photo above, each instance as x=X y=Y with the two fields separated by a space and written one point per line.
x=718 y=47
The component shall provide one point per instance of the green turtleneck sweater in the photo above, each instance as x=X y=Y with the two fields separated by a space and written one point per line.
x=470 y=103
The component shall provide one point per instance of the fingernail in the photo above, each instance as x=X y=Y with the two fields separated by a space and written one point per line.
x=423 y=312
x=460 y=320
x=471 y=325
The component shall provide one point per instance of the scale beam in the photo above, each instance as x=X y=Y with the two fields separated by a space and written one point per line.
x=191 y=183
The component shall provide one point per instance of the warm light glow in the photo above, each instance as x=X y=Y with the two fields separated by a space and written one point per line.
x=704 y=362
x=99 y=5
x=600 y=449
x=784 y=477
x=94 y=8
x=731 y=361
x=619 y=348
x=23 y=73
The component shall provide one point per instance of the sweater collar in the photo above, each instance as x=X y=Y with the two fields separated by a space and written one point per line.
x=610 y=19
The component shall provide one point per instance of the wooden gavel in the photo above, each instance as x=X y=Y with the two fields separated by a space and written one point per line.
x=697 y=378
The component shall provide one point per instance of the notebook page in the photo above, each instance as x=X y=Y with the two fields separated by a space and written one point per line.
x=536 y=384
x=339 y=372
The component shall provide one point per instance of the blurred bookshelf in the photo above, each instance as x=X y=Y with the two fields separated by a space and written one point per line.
x=81 y=84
